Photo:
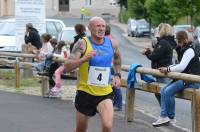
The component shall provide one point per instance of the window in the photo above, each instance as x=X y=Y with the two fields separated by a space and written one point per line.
x=7 y=28
x=51 y=29
x=58 y=26
x=88 y=2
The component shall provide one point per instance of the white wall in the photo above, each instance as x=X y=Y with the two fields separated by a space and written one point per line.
x=7 y=7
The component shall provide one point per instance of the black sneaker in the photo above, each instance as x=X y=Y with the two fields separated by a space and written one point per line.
x=43 y=73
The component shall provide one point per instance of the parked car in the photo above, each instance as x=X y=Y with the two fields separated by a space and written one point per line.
x=188 y=28
x=132 y=24
x=197 y=33
x=8 y=28
x=138 y=28
x=68 y=33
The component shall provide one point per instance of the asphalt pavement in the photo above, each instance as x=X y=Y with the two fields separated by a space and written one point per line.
x=27 y=113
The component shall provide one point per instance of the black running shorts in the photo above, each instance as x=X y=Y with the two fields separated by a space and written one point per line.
x=86 y=103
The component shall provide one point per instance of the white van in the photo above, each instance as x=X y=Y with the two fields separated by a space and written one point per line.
x=7 y=32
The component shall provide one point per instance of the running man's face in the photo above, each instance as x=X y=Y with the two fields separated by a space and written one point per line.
x=97 y=28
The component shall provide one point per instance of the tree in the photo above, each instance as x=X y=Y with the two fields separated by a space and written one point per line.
x=161 y=11
x=189 y=8
x=139 y=9
x=122 y=3
x=130 y=4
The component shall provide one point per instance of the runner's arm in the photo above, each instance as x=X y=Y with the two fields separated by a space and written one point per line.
x=117 y=57
x=75 y=60
x=116 y=82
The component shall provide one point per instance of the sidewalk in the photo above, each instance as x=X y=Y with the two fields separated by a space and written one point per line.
x=28 y=113
x=29 y=103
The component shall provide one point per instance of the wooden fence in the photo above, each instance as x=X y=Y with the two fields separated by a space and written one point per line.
x=188 y=94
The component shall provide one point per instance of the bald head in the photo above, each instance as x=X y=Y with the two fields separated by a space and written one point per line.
x=96 y=19
x=97 y=27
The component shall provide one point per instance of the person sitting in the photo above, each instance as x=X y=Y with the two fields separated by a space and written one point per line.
x=188 y=63
x=162 y=52
x=43 y=52
x=32 y=39
x=57 y=90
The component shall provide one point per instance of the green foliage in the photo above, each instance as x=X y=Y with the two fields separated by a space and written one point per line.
x=124 y=16
x=139 y=9
x=196 y=19
x=170 y=11
x=189 y=8
x=161 y=11
x=130 y=8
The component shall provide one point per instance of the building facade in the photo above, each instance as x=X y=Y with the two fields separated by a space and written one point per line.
x=59 y=7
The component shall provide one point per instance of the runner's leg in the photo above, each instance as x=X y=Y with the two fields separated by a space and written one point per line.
x=105 y=109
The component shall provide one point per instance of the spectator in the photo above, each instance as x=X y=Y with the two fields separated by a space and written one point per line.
x=32 y=39
x=43 y=52
x=54 y=42
x=80 y=31
x=117 y=100
x=162 y=53
x=188 y=63
x=82 y=13
x=57 y=90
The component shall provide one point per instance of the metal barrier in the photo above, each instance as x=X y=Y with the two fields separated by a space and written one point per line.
x=188 y=94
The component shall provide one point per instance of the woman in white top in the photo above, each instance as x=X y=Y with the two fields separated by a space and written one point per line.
x=188 y=63
x=46 y=46
x=44 y=51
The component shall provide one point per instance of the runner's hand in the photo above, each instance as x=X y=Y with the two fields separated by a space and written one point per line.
x=89 y=56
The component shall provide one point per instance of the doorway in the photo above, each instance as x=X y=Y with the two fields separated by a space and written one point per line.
x=63 y=5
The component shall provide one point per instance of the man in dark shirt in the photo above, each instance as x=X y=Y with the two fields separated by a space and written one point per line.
x=32 y=36
x=32 y=39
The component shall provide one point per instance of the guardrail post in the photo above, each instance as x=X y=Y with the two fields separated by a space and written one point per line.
x=196 y=111
x=45 y=85
x=129 y=107
x=17 y=74
x=28 y=72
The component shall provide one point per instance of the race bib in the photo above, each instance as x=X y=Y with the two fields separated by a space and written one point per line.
x=98 y=76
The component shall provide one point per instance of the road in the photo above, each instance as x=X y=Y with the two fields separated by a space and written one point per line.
x=146 y=102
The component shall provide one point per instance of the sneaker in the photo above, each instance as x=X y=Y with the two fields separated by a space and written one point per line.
x=173 y=121
x=161 y=121
x=55 y=95
x=43 y=73
x=57 y=89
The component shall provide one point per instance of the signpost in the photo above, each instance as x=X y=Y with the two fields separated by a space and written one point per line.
x=29 y=11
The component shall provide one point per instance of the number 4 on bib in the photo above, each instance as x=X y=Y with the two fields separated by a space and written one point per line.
x=98 y=76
